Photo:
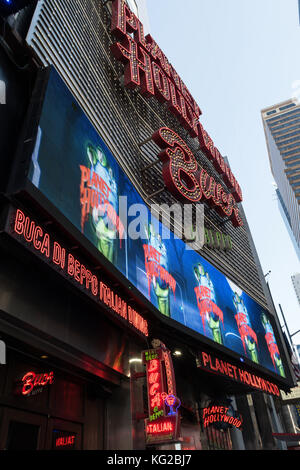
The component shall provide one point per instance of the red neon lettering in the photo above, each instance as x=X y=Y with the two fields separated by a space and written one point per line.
x=19 y=222
x=180 y=168
x=154 y=385
x=206 y=358
x=37 y=243
x=45 y=248
x=77 y=270
x=162 y=89
x=41 y=242
x=31 y=233
x=159 y=428
x=32 y=380
x=65 y=441
x=154 y=389
x=158 y=56
x=153 y=377
x=217 y=414
x=187 y=181
x=29 y=229
x=123 y=20
x=138 y=70
x=142 y=56
x=156 y=401
x=71 y=261
x=153 y=365
x=59 y=255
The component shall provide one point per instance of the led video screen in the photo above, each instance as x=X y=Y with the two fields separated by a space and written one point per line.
x=72 y=166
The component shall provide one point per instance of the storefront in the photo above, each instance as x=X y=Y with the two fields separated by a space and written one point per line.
x=45 y=407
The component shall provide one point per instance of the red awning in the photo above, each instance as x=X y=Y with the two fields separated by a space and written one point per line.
x=287 y=437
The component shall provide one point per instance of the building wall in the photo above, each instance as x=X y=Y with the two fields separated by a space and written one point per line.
x=296 y=284
x=127 y=119
x=42 y=315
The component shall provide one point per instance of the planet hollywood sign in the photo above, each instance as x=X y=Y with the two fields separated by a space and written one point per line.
x=218 y=366
x=215 y=415
x=146 y=67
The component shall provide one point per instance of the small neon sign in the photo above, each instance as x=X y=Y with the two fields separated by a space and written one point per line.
x=173 y=403
x=32 y=382
x=67 y=441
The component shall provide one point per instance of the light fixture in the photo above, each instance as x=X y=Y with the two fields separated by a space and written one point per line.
x=135 y=360
x=177 y=353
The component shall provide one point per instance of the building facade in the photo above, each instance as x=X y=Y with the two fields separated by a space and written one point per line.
x=282 y=131
x=117 y=341
x=296 y=284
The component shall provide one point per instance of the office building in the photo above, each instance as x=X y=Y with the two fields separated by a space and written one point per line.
x=282 y=130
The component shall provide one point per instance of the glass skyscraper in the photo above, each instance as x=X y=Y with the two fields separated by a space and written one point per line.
x=282 y=131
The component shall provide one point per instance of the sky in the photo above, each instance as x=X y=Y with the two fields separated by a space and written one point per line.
x=237 y=57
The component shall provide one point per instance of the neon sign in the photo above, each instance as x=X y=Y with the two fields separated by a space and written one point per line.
x=173 y=403
x=146 y=67
x=215 y=415
x=66 y=441
x=162 y=424
x=153 y=360
x=188 y=182
x=32 y=381
x=217 y=366
x=164 y=429
x=40 y=241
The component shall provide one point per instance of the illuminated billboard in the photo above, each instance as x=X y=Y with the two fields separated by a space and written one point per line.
x=72 y=166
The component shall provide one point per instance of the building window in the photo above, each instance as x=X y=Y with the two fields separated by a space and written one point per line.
x=287 y=106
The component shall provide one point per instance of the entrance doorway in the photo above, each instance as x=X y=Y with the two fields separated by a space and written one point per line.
x=22 y=431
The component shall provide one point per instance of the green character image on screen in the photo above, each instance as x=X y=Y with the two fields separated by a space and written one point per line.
x=247 y=334
x=209 y=311
x=272 y=345
x=156 y=261
x=104 y=217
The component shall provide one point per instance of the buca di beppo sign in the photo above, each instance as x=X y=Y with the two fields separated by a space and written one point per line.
x=163 y=423
x=38 y=240
x=146 y=67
